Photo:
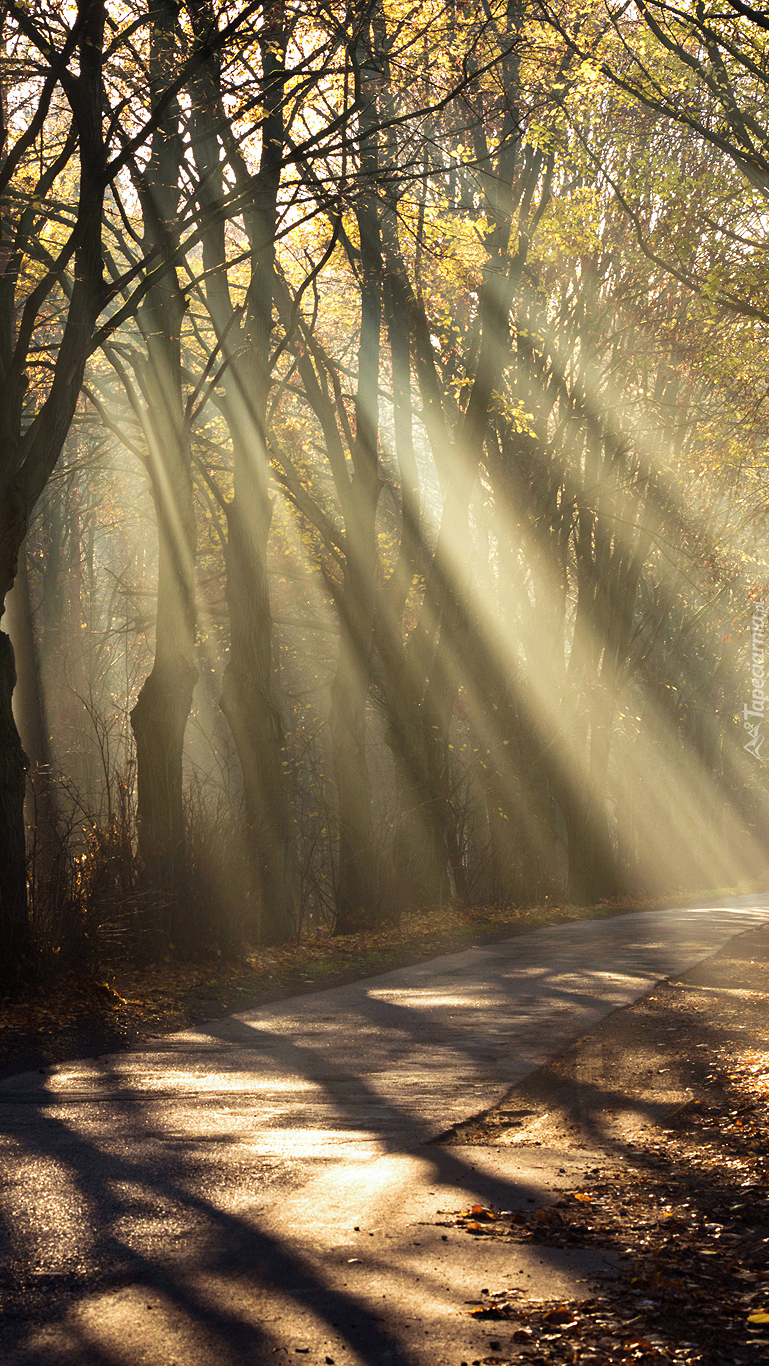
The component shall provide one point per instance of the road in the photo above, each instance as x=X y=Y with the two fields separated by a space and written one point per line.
x=263 y=1187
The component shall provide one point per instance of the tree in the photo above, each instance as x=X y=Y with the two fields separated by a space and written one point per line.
x=702 y=67
x=58 y=160
x=411 y=316
x=243 y=336
x=40 y=389
x=162 y=708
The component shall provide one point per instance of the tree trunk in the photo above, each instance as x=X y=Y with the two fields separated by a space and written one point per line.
x=450 y=594
x=159 y=720
x=420 y=871
x=359 y=899
x=249 y=698
x=31 y=717
x=358 y=893
x=249 y=702
x=421 y=877
x=521 y=817
x=160 y=715
x=31 y=439
x=162 y=709
x=17 y=938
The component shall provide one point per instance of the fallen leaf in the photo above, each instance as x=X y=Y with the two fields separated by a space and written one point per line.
x=560 y=1316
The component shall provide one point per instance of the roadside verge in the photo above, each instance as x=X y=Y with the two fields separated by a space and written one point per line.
x=668 y=1102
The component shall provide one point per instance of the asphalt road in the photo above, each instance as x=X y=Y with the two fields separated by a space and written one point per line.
x=263 y=1187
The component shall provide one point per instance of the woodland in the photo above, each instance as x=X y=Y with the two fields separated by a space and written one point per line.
x=383 y=472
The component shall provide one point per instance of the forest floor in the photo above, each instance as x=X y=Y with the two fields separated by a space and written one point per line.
x=669 y=1101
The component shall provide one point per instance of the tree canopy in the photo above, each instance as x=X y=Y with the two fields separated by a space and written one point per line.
x=385 y=434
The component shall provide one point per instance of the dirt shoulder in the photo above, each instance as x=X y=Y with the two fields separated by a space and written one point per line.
x=672 y=1094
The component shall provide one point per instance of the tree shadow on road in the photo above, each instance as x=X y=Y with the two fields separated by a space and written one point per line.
x=143 y=1212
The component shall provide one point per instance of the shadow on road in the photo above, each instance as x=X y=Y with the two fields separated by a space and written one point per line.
x=140 y=1213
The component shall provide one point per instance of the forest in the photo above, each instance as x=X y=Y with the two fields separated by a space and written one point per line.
x=383 y=470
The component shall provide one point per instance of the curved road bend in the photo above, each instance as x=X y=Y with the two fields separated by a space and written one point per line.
x=259 y=1189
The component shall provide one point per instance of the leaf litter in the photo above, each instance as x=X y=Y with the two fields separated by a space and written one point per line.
x=680 y=1200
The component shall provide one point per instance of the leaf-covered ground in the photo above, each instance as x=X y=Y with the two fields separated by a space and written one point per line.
x=669 y=1101
x=68 y=1016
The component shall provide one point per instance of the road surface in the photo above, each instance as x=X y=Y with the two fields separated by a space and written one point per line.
x=263 y=1187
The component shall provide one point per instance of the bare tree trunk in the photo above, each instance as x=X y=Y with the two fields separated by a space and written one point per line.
x=160 y=715
x=16 y=931
x=452 y=585
x=31 y=715
x=358 y=892
x=250 y=699
x=30 y=444
x=420 y=877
